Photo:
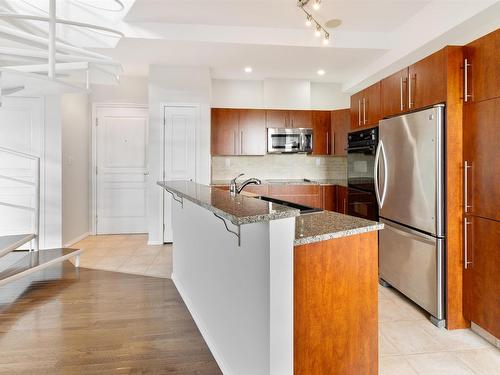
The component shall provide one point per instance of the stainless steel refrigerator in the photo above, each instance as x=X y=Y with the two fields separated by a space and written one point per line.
x=410 y=189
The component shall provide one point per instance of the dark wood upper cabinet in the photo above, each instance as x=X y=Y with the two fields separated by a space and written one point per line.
x=277 y=118
x=481 y=152
x=394 y=94
x=301 y=118
x=365 y=108
x=483 y=68
x=481 y=277
x=427 y=81
x=321 y=124
x=252 y=132
x=340 y=127
x=238 y=132
x=356 y=112
x=372 y=106
x=224 y=133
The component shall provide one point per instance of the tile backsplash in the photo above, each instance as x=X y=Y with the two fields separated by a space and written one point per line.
x=294 y=166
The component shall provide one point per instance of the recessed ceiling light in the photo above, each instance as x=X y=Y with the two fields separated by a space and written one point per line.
x=321 y=72
x=248 y=69
x=333 y=23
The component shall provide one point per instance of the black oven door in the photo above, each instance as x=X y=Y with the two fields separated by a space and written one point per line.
x=360 y=167
x=362 y=204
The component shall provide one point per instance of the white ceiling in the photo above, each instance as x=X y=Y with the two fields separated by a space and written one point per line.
x=376 y=37
x=366 y=15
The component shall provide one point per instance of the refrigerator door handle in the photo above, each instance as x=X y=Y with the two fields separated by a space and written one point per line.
x=380 y=151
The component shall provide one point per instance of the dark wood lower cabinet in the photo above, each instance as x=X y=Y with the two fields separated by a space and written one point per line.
x=341 y=199
x=329 y=197
x=482 y=275
x=335 y=306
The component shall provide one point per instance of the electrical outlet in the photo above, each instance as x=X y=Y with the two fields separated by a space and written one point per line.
x=318 y=162
x=227 y=162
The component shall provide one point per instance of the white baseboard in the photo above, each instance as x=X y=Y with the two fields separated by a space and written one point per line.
x=77 y=239
x=152 y=243
x=202 y=328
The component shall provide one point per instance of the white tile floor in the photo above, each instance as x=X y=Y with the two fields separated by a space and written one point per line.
x=408 y=343
x=126 y=253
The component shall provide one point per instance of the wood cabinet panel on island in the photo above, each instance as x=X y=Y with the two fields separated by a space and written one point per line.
x=335 y=306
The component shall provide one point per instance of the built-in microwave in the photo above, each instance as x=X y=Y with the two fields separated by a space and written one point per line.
x=289 y=140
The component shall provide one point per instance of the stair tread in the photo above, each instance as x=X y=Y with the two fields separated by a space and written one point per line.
x=12 y=242
x=18 y=264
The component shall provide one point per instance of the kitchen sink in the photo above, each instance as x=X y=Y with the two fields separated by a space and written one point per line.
x=303 y=209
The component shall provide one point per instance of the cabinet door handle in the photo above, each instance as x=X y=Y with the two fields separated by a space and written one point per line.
x=402 y=106
x=234 y=143
x=466 y=243
x=327 y=143
x=241 y=142
x=410 y=97
x=364 y=111
x=333 y=143
x=466 y=186
x=359 y=112
x=466 y=81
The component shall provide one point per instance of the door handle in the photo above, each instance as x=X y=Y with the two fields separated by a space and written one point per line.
x=466 y=243
x=402 y=105
x=359 y=112
x=364 y=111
x=328 y=143
x=466 y=81
x=380 y=151
x=466 y=186
x=241 y=142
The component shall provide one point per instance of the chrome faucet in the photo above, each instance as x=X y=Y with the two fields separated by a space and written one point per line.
x=235 y=189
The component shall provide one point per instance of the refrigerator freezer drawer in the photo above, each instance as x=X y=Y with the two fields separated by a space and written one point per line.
x=412 y=263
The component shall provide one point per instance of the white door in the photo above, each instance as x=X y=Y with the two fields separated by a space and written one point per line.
x=122 y=161
x=179 y=146
x=21 y=129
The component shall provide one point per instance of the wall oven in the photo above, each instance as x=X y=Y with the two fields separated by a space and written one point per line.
x=289 y=140
x=361 y=198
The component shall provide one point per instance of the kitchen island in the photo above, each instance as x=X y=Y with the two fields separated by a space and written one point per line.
x=257 y=277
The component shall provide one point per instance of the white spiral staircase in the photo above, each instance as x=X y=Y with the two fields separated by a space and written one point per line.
x=15 y=263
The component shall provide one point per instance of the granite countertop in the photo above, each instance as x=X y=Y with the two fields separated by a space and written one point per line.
x=341 y=182
x=240 y=209
x=327 y=225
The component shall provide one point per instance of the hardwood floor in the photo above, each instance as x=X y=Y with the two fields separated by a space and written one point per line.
x=69 y=321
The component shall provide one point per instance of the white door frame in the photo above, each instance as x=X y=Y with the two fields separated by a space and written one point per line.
x=93 y=174
x=163 y=106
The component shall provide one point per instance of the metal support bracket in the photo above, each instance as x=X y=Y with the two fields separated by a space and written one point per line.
x=176 y=197
x=237 y=233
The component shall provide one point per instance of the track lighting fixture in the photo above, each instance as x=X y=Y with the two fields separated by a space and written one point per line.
x=310 y=20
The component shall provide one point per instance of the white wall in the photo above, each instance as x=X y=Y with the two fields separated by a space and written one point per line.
x=130 y=90
x=328 y=96
x=285 y=94
x=76 y=130
x=52 y=188
x=175 y=85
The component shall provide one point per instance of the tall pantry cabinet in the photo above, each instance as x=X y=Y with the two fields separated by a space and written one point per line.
x=481 y=94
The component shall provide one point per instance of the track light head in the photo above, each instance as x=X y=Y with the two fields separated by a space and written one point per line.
x=316 y=4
